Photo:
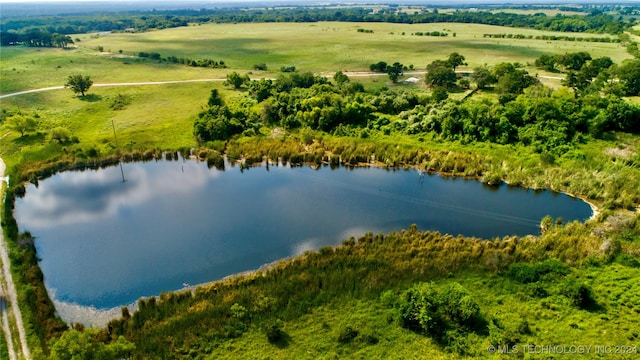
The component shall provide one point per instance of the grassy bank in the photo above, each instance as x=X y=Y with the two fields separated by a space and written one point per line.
x=344 y=301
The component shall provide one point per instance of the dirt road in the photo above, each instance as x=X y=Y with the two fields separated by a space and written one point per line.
x=10 y=297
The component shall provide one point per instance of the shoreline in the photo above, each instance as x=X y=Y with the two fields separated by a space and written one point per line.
x=91 y=316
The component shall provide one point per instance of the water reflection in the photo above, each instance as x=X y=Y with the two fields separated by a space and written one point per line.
x=105 y=243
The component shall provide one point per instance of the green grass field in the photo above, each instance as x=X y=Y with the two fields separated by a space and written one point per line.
x=323 y=47
x=552 y=321
x=331 y=46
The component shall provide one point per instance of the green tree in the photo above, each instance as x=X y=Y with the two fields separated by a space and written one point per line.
x=340 y=78
x=60 y=135
x=215 y=99
x=22 y=124
x=576 y=80
x=439 y=94
x=546 y=62
x=216 y=123
x=419 y=309
x=395 y=71
x=61 y=41
x=236 y=80
x=483 y=77
x=380 y=66
x=79 y=84
x=456 y=60
x=629 y=74
x=82 y=345
x=440 y=73
x=261 y=89
x=573 y=61
x=456 y=304
x=515 y=81
x=594 y=67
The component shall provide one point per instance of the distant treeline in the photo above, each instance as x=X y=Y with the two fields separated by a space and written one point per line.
x=430 y=33
x=35 y=38
x=553 y=38
x=186 y=61
x=595 y=22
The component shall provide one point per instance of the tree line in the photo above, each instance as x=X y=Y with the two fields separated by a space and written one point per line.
x=208 y=63
x=553 y=38
x=35 y=38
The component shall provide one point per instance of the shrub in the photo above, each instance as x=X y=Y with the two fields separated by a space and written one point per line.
x=526 y=273
x=273 y=330
x=60 y=134
x=580 y=295
x=628 y=260
x=424 y=309
x=261 y=66
x=347 y=334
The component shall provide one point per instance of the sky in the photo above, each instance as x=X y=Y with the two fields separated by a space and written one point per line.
x=346 y=1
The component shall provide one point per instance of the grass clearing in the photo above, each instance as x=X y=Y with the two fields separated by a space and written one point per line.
x=157 y=116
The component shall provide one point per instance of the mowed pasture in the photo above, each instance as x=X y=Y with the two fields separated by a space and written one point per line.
x=332 y=46
x=323 y=47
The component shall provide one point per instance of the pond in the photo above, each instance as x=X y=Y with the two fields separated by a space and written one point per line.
x=105 y=243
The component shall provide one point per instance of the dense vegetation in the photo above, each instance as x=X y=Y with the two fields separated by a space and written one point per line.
x=525 y=113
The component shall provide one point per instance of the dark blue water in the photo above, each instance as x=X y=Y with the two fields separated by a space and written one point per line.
x=105 y=243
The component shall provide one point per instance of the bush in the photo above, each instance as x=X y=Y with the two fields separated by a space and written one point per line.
x=423 y=308
x=628 y=260
x=526 y=273
x=261 y=66
x=347 y=334
x=274 y=332
x=580 y=295
x=61 y=135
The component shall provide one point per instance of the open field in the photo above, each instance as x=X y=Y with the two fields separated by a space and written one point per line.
x=158 y=116
x=323 y=47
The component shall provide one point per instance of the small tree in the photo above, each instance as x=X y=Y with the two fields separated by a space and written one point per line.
x=456 y=60
x=79 y=84
x=395 y=71
x=215 y=99
x=274 y=332
x=483 y=77
x=22 y=124
x=340 y=78
x=440 y=73
x=236 y=80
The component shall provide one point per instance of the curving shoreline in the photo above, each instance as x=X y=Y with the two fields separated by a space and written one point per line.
x=91 y=316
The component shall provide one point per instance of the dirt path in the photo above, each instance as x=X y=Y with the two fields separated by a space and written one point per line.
x=6 y=329
x=114 y=84
x=348 y=73
x=9 y=293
